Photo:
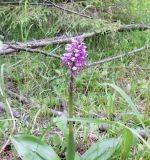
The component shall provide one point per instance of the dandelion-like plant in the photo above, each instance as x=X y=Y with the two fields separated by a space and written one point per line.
x=75 y=59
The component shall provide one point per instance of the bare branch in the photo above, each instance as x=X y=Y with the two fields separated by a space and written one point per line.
x=68 y=10
x=132 y=27
x=18 y=48
x=21 y=98
x=5 y=145
x=49 y=4
x=57 y=113
x=39 y=43
x=3 y=109
x=117 y=57
x=22 y=3
x=62 y=39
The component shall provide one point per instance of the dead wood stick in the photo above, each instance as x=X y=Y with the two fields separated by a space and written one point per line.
x=117 y=57
x=49 y=4
x=6 y=48
x=67 y=10
x=21 y=98
x=3 y=109
x=63 y=39
x=5 y=145
x=132 y=27
x=57 y=113
x=22 y=3
x=34 y=51
x=27 y=101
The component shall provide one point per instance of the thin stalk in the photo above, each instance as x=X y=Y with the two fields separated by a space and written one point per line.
x=148 y=100
x=71 y=144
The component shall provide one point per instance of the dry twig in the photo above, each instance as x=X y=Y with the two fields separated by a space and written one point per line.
x=6 y=49
x=68 y=10
x=21 y=3
x=132 y=27
x=21 y=98
x=18 y=48
x=117 y=57
x=49 y=4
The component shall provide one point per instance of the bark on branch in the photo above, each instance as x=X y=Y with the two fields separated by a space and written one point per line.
x=21 y=3
x=67 y=10
x=117 y=57
x=132 y=27
x=18 y=48
x=7 y=49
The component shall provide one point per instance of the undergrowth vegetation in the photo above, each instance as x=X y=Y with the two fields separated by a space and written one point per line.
x=111 y=100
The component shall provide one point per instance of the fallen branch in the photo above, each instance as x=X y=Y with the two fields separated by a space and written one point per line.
x=132 y=27
x=21 y=3
x=21 y=98
x=3 y=109
x=6 y=49
x=49 y=4
x=117 y=57
x=57 y=113
x=18 y=48
x=68 y=10
x=25 y=100
x=5 y=145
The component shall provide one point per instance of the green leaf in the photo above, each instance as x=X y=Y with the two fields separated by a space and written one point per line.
x=102 y=150
x=127 y=141
x=128 y=100
x=31 y=148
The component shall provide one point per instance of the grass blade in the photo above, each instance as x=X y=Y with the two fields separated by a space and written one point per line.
x=128 y=100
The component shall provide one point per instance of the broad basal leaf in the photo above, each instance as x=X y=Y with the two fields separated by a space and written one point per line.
x=102 y=150
x=31 y=148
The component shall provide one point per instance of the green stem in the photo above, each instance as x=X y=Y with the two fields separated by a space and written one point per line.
x=71 y=144
x=148 y=100
x=71 y=88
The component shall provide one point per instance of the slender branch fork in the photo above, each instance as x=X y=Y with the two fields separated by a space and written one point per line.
x=105 y=60
x=49 y=4
x=21 y=3
x=6 y=49
x=120 y=56
x=35 y=51
x=68 y=10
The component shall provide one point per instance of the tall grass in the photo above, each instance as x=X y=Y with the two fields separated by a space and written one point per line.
x=32 y=75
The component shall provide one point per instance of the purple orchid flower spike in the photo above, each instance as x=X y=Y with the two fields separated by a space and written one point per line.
x=75 y=56
x=75 y=60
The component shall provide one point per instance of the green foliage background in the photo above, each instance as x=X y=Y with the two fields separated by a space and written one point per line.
x=44 y=80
